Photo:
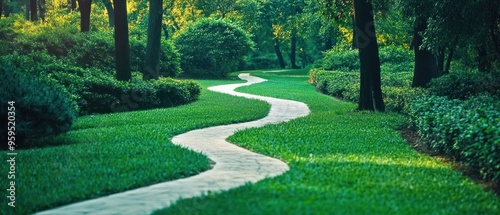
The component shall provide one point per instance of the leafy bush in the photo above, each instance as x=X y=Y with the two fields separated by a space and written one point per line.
x=396 y=89
x=34 y=46
x=467 y=130
x=212 y=48
x=42 y=107
x=98 y=92
x=266 y=61
x=392 y=59
x=463 y=85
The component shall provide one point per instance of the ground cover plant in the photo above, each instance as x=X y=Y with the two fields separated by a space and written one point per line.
x=111 y=153
x=342 y=162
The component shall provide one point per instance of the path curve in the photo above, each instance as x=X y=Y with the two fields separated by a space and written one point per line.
x=234 y=166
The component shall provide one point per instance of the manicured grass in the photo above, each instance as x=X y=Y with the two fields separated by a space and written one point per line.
x=111 y=153
x=342 y=162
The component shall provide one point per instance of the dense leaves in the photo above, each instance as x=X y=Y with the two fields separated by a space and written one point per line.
x=212 y=48
x=466 y=130
x=40 y=106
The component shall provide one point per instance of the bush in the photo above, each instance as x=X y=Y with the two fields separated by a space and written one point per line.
x=467 y=130
x=212 y=48
x=265 y=61
x=42 y=108
x=396 y=89
x=392 y=59
x=31 y=48
x=98 y=92
x=463 y=85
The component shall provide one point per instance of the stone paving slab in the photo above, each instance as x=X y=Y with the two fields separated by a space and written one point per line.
x=234 y=166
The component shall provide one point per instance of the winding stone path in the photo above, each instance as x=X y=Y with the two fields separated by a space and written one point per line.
x=234 y=166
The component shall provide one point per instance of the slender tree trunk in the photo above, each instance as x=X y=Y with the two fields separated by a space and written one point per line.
x=111 y=12
x=448 y=61
x=8 y=7
x=366 y=40
x=33 y=10
x=482 y=59
x=152 y=64
x=354 y=34
x=122 y=46
x=72 y=5
x=41 y=9
x=440 y=60
x=277 y=49
x=293 y=49
x=27 y=11
x=85 y=8
x=425 y=62
x=1 y=8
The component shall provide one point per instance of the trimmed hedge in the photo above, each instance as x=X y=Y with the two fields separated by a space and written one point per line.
x=466 y=130
x=465 y=84
x=392 y=59
x=98 y=92
x=396 y=89
x=42 y=107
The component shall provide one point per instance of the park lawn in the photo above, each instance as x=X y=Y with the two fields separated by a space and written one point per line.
x=341 y=162
x=111 y=153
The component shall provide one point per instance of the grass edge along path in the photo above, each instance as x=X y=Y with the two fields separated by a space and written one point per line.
x=341 y=162
x=111 y=153
x=234 y=166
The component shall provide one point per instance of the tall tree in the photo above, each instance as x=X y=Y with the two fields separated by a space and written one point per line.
x=41 y=9
x=152 y=62
x=110 y=11
x=122 y=46
x=33 y=10
x=370 y=83
x=425 y=62
x=85 y=9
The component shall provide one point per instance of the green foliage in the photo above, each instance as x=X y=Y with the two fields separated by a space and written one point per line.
x=98 y=92
x=345 y=85
x=467 y=130
x=30 y=49
x=127 y=149
x=392 y=59
x=212 y=48
x=465 y=84
x=42 y=108
x=265 y=61
x=341 y=162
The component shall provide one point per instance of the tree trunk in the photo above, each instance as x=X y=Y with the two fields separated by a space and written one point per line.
x=85 y=8
x=8 y=7
x=122 y=46
x=41 y=9
x=293 y=49
x=152 y=62
x=72 y=5
x=448 y=61
x=111 y=12
x=278 y=53
x=366 y=40
x=425 y=62
x=27 y=11
x=482 y=59
x=33 y=10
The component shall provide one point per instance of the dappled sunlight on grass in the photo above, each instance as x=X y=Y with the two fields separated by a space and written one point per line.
x=341 y=162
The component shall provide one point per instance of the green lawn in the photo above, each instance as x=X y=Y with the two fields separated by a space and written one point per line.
x=342 y=162
x=110 y=153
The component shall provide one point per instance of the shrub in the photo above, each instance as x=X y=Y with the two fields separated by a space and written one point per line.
x=467 y=130
x=265 y=61
x=463 y=85
x=98 y=92
x=396 y=89
x=42 y=108
x=212 y=48
x=392 y=59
